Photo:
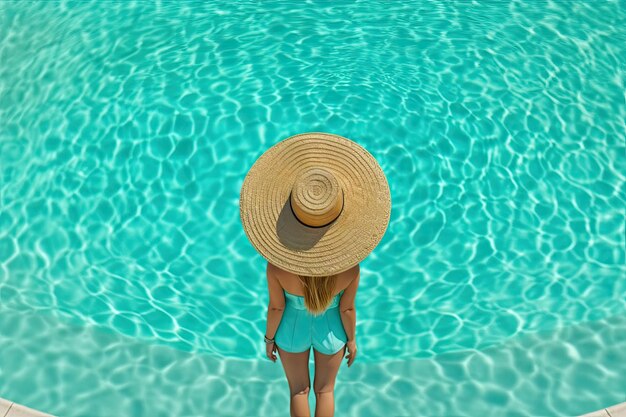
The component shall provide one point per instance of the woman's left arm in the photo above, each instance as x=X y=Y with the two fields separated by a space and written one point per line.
x=276 y=303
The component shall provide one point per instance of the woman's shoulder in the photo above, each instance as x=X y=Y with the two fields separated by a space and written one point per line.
x=348 y=276
x=353 y=272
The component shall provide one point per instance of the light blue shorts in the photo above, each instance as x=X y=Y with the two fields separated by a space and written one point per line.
x=299 y=330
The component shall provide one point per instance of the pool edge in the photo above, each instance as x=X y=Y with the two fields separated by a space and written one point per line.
x=616 y=410
x=12 y=409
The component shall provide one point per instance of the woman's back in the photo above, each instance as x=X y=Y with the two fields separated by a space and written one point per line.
x=292 y=285
x=297 y=301
x=322 y=328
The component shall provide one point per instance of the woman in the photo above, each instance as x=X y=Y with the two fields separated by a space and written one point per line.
x=312 y=312
x=314 y=206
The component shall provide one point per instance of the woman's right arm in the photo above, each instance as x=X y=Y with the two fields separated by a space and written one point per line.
x=346 y=306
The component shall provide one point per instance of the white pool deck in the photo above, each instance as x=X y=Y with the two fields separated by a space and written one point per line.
x=617 y=410
x=11 y=409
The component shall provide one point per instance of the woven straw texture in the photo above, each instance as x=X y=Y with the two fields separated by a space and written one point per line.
x=355 y=176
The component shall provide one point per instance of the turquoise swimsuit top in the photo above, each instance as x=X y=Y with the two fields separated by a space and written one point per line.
x=297 y=301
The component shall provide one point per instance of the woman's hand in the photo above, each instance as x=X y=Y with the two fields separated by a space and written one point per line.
x=352 y=349
x=270 y=348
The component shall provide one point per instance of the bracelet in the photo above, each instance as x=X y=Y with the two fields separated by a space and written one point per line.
x=268 y=340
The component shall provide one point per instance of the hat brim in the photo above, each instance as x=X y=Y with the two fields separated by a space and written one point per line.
x=277 y=234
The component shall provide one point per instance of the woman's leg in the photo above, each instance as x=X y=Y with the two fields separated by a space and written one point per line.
x=326 y=369
x=296 y=366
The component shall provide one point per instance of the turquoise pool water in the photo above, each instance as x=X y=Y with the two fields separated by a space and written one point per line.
x=128 y=287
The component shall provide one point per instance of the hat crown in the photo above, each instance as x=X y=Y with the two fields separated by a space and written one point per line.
x=316 y=197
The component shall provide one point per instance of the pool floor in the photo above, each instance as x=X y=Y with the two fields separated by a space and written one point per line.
x=548 y=373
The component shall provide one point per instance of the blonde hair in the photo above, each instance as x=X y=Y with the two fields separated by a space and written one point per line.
x=318 y=292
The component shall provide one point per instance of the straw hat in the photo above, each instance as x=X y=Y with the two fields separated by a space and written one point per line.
x=315 y=204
